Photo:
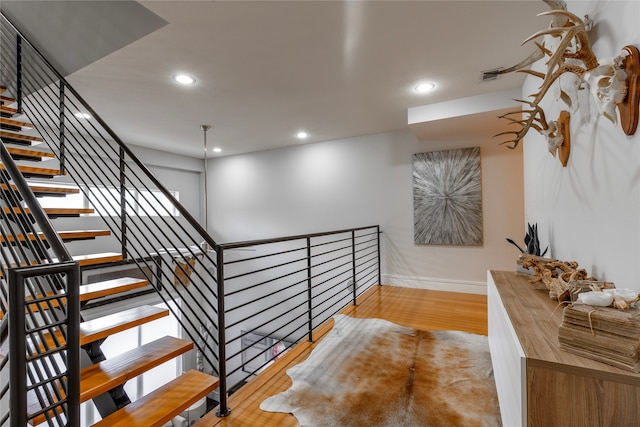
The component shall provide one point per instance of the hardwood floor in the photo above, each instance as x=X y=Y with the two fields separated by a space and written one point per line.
x=420 y=309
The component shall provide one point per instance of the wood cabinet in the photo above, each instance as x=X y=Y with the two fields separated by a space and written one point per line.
x=540 y=385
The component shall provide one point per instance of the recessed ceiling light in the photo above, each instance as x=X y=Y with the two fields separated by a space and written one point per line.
x=217 y=150
x=424 y=87
x=81 y=115
x=302 y=135
x=184 y=79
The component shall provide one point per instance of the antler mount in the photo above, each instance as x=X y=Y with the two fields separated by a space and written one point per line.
x=614 y=83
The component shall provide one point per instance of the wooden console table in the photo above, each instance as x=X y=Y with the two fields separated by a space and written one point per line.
x=540 y=385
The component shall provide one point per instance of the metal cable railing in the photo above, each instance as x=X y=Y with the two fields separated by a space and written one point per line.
x=221 y=294
x=278 y=291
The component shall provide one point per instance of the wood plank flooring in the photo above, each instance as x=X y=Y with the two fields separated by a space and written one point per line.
x=420 y=309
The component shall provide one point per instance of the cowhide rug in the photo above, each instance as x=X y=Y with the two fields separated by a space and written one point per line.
x=371 y=372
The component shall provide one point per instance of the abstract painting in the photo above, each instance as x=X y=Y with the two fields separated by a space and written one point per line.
x=447 y=197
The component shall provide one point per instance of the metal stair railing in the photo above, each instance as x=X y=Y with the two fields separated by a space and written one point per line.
x=154 y=231
x=150 y=234
x=38 y=298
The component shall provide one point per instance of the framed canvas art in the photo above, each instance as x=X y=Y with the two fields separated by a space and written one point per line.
x=447 y=197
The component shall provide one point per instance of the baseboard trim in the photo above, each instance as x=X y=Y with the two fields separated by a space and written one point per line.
x=435 y=284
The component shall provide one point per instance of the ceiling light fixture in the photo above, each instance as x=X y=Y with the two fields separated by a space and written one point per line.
x=302 y=135
x=82 y=115
x=424 y=87
x=217 y=150
x=184 y=79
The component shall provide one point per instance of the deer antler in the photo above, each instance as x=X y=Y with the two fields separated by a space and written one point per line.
x=557 y=65
x=535 y=118
x=573 y=46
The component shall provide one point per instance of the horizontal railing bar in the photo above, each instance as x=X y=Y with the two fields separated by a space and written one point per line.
x=342 y=282
x=331 y=242
x=291 y=262
x=264 y=256
x=332 y=296
x=34 y=331
x=329 y=261
x=266 y=281
x=237 y=307
x=287 y=239
x=49 y=380
x=53 y=351
x=367 y=272
x=266 y=268
x=304 y=291
x=304 y=324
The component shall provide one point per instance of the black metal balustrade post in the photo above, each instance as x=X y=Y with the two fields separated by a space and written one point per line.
x=223 y=409
x=309 y=289
x=353 y=263
x=19 y=72
x=123 y=201
x=379 y=260
x=62 y=127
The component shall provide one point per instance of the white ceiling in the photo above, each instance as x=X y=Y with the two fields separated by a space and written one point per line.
x=267 y=69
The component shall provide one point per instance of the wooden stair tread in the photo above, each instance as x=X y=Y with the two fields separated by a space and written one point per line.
x=8 y=111
x=36 y=171
x=6 y=100
x=20 y=137
x=19 y=153
x=93 y=291
x=110 y=287
x=64 y=235
x=101 y=377
x=83 y=260
x=163 y=404
x=45 y=189
x=102 y=327
x=14 y=123
x=99 y=258
x=50 y=211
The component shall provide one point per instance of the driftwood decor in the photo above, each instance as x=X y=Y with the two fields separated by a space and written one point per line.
x=613 y=83
x=567 y=283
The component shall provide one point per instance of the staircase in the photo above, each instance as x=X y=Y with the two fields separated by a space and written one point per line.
x=101 y=379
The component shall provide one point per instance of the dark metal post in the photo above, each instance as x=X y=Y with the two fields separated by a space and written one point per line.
x=17 y=338
x=353 y=262
x=223 y=410
x=61 y=132
x=17 y=350
x=379 y=257
x=73 y=345
x=19 y=72
x=123 y=204
x=309 y=293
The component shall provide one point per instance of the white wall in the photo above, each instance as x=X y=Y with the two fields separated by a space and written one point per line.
x=366 y=181
x=590 y=211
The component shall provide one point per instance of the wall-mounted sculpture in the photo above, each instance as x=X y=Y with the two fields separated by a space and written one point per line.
x=614 y=83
